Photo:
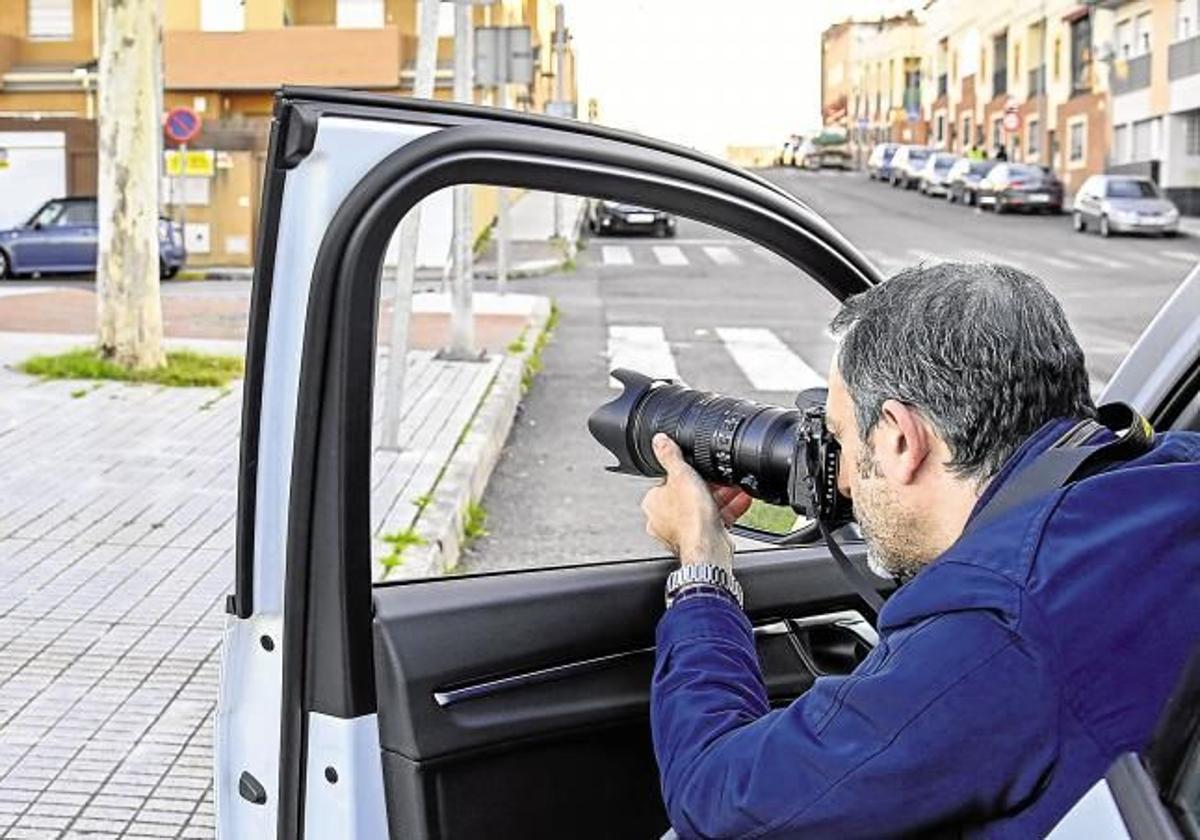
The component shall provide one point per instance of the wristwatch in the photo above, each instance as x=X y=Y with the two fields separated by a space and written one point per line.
x=702 y=575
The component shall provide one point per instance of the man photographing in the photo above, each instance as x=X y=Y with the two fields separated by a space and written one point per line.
x=1027 y=648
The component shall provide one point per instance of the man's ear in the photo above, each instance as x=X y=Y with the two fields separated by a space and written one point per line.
x=902 y=441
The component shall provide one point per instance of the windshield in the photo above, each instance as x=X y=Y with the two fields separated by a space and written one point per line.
x=918 y=154
x=1131 y=188
x=1024 y=172
x=46 y=214
x=943 y=162
x=982 y=167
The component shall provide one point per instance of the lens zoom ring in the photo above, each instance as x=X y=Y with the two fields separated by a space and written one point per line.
x=707 y=450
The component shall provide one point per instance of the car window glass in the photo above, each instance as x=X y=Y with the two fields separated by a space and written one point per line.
x=78 y=213
x=663 y=295
x=1130 y=188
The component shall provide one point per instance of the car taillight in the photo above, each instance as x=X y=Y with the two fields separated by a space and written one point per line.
x=1017 y=183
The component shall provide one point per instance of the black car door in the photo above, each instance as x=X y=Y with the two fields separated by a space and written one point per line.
x=510 y=704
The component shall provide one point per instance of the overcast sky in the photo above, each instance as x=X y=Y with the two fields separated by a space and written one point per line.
x=707 y=73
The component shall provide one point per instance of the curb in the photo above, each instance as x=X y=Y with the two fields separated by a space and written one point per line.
x=465 y=476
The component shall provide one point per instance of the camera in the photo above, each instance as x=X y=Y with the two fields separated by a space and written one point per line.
x=783 y=456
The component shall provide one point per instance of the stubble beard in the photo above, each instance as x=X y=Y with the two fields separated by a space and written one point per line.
x=893 y=535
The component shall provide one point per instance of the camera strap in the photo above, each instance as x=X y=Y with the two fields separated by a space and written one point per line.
x=1068 y=460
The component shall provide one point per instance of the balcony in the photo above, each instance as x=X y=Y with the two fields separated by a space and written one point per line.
x=1135 y=77
x=943 y=85
x=1184 y=59
x=264 y=59
x=1037 y=82
x=999 y=82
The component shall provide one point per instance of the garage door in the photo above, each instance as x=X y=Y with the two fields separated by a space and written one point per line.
x=33 y=169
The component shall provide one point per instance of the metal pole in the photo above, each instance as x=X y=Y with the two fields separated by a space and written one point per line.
x=183 y=198
x=406 y=264
x=462 y=319
x=502 y=228
x=560 y=43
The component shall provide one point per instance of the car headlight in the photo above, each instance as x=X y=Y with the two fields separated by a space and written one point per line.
x=1171 y=213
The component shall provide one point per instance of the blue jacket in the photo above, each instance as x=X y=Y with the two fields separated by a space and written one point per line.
x=1009 y=674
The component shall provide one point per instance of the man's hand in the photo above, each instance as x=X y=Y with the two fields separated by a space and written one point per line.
x=688 y=515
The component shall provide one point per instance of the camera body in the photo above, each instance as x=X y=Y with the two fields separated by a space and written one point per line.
x=779 y=455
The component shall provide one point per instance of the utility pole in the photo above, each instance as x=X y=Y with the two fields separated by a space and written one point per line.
x=129 y=309
x=410 y=228
x=502 y=227
x=560 y=47
x=462 y=318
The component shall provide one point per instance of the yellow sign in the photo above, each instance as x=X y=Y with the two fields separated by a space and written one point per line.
x=196 y=163
x=3 y=158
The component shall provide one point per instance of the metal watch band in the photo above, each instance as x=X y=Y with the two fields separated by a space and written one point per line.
x=702 y=574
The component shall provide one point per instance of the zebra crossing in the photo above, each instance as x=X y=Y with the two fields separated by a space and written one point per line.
x=765 y=361
x=725 y=253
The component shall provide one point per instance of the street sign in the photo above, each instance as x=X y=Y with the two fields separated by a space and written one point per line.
x=503 y=55
x=3 y=158
x=192 y=163
x=1012 y=120
x=182 y=124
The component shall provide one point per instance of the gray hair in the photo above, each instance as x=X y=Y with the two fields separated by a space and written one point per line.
x=983 y=351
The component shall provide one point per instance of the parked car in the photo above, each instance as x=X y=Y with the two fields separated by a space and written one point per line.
x=964 y=178
x=935 y=175
x=61 y=237
x=1021 y=186
x=434 y=707
x=1124 y=204
x=619 y=217
x=907 y=164
x=879 y=164
x=831 y=147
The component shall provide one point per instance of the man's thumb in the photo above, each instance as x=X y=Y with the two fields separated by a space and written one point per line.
x=667 y=452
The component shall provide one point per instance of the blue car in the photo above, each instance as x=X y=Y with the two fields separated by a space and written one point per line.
x=61 y=238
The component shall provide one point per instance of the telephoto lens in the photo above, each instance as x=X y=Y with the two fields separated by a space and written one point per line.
x=727 y=440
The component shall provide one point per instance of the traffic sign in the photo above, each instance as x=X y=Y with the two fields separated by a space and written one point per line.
x=1012 y=121
x=182 y=124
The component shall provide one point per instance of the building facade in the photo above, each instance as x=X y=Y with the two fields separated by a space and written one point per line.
x=1030 y=77
x=224 y=59
x=1155 y=80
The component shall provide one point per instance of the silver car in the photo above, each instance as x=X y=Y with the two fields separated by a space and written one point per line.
x=1124 y=204
x=935 y=175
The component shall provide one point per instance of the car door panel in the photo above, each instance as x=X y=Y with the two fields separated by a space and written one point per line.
x=539 y=681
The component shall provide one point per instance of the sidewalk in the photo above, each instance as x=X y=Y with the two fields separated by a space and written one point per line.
x=117 y=517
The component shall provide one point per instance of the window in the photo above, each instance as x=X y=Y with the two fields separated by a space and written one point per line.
x=222 y=15
x=78 y=213
x=1077 y=140
x=1120 y=151
x=1185 y=18
x=1143 y=140
x=941 y=129
x=51 y=20
x=1033 y=145
x=1141 y=34
x=361 y=14
x=1000 y=63
x=966 y=135
x=1057 y=58
x=1124 y=38
x=1191 y=133
x=1081 y=56
x=997 y=135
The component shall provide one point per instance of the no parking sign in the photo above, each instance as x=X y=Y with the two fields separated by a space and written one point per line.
x=182 y=125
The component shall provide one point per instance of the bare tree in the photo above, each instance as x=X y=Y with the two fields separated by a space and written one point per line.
x=127 y=270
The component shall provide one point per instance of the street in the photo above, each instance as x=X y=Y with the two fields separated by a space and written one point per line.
x=724 y=315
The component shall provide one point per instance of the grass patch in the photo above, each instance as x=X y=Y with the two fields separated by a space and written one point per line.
x=400 y=541
x=533 y=364
x=423 y=501
x=474 y=520
x=517 y=345
x=183 y=369
x=778 y=519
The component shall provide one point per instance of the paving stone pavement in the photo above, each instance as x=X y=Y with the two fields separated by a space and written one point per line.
x=117 y=518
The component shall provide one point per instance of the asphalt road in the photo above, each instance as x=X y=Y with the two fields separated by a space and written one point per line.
x=724 y=315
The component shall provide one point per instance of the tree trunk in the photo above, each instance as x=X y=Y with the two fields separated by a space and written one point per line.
x=127 y=269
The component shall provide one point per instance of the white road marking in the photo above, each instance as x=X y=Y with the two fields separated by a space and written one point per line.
x=721 y=255
x=1148 y=259
x=767 y=362
x=1057 y=263
x=1095 y=260
x=670 y=255
x=616 y=255
x=35 y=290
x=643 y=349
x=1182 y=255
